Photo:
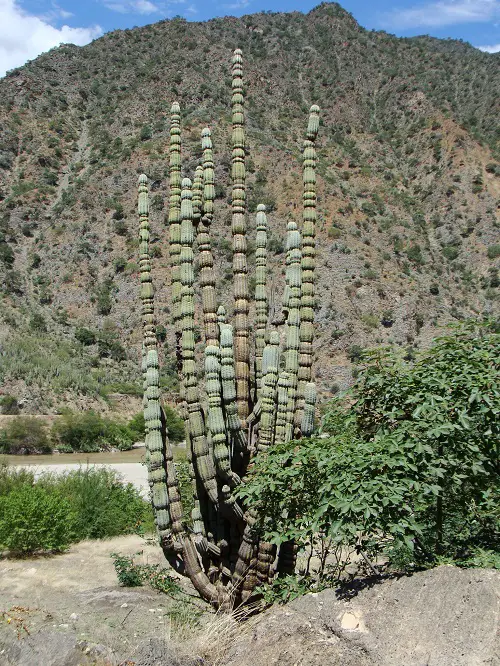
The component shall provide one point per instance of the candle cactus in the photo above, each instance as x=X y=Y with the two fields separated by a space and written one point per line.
x=243 y=405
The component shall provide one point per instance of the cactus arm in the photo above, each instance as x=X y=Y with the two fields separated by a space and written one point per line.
x=282 y=398
x=240 y=270
x=197 y=195
x=268 y=393
x=309 y=215
x=161 y=471
x=236 y=433
x=174 y=222
x=294 y=283
x=202 y=460
x=206 y=260
x=261 y=304
x=307 y=425
x=215 y=422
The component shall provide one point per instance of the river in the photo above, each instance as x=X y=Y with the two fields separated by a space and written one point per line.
x=129 y=464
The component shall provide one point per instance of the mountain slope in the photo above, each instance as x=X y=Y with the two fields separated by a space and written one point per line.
x=408 y=186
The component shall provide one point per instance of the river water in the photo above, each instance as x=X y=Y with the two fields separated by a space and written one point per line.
x=129 y=464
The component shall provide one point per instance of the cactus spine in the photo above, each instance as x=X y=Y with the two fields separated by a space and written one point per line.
x=222 y=553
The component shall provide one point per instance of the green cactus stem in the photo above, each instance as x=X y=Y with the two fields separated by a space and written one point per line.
x=261 y=304
x=216 y=424
x=174 y=221
x=307 y=426
x=236 y=433
x=268 y=393
x=281 y=410
x=292 y=308
x=308 y=258
x=202 y=460
x=240 y=270
x=205 y=260
x=164 y=487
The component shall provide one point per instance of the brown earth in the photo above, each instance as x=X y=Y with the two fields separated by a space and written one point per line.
x=72 y=612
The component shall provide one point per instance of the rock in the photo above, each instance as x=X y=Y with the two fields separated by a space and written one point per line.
x=51 y=648
x=158 y=652
x=74 y=617
x=444 y=617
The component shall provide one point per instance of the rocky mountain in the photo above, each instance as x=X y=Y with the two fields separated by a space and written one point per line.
x=409 y=188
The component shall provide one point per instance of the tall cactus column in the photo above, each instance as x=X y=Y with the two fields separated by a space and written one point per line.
x=202 y=459
x=261 y=304
x=206 y=260
x=162 y=478
x=240 y=269
x=308 y=260
x=174 y=220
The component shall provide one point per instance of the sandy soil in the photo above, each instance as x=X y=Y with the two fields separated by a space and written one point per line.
x=78 y=592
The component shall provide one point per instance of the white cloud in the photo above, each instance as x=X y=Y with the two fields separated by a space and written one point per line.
x=443 y=12
x=239 y=4
x=23 y=36
x=494 y=48
x=133 y=7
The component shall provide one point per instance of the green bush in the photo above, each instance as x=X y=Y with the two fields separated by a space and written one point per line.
x=24 y=434
x=9 y=405
x=103 y=506
x=89 y=432
x=85 y=336
x=88 y=503
x=410 y=464
x=493 y=251
x=32 y=518
x=175 y=425
x=137 y=426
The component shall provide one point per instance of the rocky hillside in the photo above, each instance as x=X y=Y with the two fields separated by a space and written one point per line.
x=409 y=186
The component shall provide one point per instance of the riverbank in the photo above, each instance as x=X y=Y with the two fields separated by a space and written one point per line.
x=131 y=465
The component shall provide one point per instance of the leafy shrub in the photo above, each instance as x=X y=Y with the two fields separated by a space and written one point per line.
x=90 y=432
x=24 y=434
x=85 y=336
x=175 y=425
x=450 y=252
x=14 y=477
x=32 y=518
x=92 y=503
x=103 y=506
x=130 y=574
x=411 y=463
x=9 y=405
x=109 y=346
x=493 y=251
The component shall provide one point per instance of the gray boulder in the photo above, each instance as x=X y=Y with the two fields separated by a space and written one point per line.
x=442 y=617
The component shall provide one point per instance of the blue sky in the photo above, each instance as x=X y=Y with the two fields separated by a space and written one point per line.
x=30 y=27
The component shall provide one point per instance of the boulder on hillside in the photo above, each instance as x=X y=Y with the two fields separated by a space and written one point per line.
x=442 y=617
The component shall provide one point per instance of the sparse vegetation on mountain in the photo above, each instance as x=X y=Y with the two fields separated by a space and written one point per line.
x=407 y=159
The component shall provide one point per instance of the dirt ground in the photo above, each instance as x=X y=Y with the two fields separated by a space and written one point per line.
x=78 y=593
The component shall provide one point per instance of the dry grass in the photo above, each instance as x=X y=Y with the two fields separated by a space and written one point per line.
x=220 y=633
